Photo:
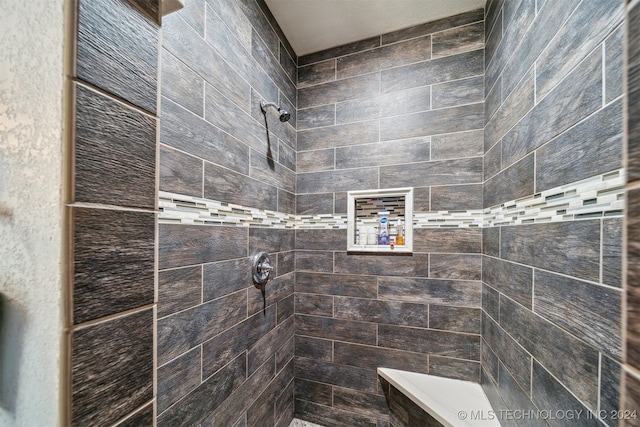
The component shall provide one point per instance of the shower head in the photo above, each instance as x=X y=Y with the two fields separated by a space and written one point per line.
x=284 y=114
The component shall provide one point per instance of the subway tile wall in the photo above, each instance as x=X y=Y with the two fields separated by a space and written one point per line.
x=112 y=210
x=402 y=109
x=552 y=293
x=224 y=348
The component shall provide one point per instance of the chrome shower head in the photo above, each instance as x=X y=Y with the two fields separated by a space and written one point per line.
x=284 y=114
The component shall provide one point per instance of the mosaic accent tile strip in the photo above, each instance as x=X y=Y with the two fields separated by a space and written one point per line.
x=594 y=197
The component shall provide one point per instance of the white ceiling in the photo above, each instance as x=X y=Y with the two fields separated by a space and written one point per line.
x=315 y=25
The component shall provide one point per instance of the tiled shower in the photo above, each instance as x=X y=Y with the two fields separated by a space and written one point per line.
x=508 y=123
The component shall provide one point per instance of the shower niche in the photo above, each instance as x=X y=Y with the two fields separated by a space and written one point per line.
x=380 y=221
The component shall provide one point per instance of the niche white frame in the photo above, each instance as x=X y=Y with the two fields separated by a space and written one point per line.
x=352 y=196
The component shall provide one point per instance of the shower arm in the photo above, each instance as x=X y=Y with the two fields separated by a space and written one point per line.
x=264 y=105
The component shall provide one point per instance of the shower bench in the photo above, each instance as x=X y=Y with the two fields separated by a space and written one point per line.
x=428 y=400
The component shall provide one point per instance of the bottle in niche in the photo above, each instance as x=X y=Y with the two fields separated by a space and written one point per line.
x=383 y=237
x=400 y=236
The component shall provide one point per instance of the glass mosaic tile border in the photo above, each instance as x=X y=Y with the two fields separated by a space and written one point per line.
x=595 y=197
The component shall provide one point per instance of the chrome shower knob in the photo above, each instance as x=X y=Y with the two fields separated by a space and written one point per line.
x=262 y=270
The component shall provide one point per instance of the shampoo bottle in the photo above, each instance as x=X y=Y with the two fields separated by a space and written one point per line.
x=383 y=237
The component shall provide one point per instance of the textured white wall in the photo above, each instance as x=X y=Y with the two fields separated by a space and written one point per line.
x=31 y=90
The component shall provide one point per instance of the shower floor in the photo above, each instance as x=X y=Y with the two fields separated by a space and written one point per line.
x=299 y=423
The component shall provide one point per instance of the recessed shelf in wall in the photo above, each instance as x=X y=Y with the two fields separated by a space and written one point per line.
x=363 y=218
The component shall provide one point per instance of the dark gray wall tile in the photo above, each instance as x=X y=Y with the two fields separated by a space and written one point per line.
x=231 y=187
x=490 y=301
x=113 y=262
x=180 y=173
x=340 y=135
x=340 y=180
x=319 y=72
x=512 y=109
x=318 y=261
x=177 y=378
x=547 y=392
x=225 y=277
x=108 y=358
x=336 y=329
x=459 y=369
x=330 y=417
x=187 y=132
x=109 y=29
x=578 y=307
x=187 y=329
x=514 y=395
x=434 y=71
x=515 y=358
x=434 y=26
x=313 y=391
x=445 y=120
x=268 y=345
x=285 y=263
x=285 y=308
x=416 y=265
x=398 y=54
x=571 y=248
x=336 y=284
x=264 y=169
x=510 y=279
x=373 y=357
x=491 y=241
x=389 y=312
x=115 y=152
x=379 y=154
x=340 y=90
x=455 y=266
x=531 y=43
x=323 y=115
x=493 y=35
x=339 y=51
x=317 y=305
x=315 y=348
x=441 y=343
x=335 y=374
x=144 y=417
x=286 y=202
x=493 y=161
x=389 y=104
x=460 y=92
x=202 y=58
x=209 y=395
x=458 y=40
x=321 y=239
x=439 y=172
x=591 y=148
x=512 y=183
x=314 y=204
x=181 y=85
x=579 y=95
x=227 y=412
x=270 y=240
x=179 y=289
x=610 y=379
x=457 y=319
x=584 y=30
x=456 y=145
x=225 y=347
x=614 y=67
x=182 y=245
x=194 y=14
x=612 y=252
x=373 y=405
x=317 y=160
x=237 y=22
x=446 y=292
x=442 y=240
x=279 y=288
x=572 y=361
x=455 y=197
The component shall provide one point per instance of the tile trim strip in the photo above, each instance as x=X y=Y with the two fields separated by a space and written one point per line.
x=595 y=197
